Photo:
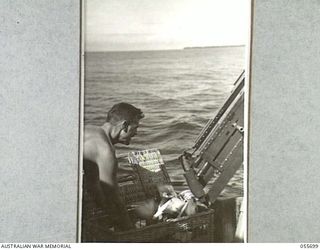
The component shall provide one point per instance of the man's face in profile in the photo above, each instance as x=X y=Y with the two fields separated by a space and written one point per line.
x=127 y=134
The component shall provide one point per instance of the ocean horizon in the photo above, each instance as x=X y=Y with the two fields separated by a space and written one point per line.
x=182 y=48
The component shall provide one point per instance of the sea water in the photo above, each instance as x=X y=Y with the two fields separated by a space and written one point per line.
x=178 y=91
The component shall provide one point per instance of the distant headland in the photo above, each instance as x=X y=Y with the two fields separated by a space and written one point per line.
x=211 y=47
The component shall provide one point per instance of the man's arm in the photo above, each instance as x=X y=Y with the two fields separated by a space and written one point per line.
x=108 y=165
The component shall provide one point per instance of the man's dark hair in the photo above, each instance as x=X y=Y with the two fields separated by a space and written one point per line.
x=124 y=111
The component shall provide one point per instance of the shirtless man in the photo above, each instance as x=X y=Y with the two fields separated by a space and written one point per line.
x=100 y=162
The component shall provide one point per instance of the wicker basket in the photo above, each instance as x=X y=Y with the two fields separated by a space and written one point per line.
x=195 y=228
x=144 y=187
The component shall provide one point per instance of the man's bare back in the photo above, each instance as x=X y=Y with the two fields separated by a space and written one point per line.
x=100 y=162
x=97 y=146
x=96 y=142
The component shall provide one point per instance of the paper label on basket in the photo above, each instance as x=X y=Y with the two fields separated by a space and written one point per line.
x=149 y=159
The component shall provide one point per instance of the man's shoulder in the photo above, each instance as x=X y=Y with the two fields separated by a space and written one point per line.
x=93 y=133
x=94 y=137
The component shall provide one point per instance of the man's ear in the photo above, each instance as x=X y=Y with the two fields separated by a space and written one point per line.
x=125 y=125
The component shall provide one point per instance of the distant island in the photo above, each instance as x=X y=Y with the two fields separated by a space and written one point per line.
x=210 y=47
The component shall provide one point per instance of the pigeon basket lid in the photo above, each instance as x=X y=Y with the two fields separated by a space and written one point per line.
x=150 y=170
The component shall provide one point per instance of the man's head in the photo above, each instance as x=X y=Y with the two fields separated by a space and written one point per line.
x=126 y=118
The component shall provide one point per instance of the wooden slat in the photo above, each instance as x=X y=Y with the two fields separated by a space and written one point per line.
x=232 y=164
x=224 y=133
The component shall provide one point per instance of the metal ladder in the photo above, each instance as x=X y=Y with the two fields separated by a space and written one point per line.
x=218 y=151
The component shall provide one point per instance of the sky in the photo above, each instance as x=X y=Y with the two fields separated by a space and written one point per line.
x=122 y=25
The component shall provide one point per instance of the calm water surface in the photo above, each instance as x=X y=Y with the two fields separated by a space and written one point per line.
x=178 y=91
